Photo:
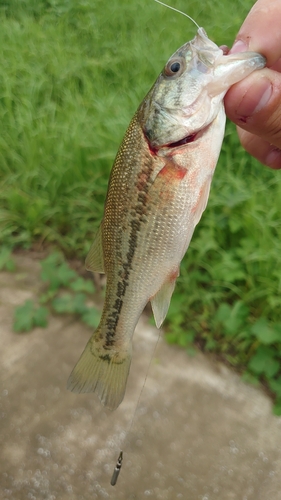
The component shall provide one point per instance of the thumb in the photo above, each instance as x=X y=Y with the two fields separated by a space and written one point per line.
x=254 y=104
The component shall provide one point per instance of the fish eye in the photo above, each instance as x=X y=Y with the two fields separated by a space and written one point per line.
x=173 y=67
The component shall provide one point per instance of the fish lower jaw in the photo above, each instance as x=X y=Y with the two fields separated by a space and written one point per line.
x=182 y=142
x=191 y=138
x=155 y=150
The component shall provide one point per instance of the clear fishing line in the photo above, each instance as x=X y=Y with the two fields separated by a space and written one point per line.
x=179 y=11
x=119 y=461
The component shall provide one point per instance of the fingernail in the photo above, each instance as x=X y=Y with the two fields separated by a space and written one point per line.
x=225 y=49
x=238 y=46
x=273 y=159
x=256 y=98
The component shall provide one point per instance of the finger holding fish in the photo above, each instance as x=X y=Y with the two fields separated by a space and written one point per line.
x=260 y=32
x=254 y=103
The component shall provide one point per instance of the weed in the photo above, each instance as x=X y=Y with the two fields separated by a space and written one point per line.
x=6 y=261
x=63 y=294
x=28 y=316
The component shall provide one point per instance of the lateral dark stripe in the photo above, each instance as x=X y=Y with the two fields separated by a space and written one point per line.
x=138 y=212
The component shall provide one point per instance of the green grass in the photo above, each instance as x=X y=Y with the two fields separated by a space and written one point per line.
x=71 y=76
x=63 y=292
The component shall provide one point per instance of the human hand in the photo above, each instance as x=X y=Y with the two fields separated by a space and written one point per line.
x=254 y=104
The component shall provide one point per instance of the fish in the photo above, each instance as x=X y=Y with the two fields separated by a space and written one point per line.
x=158 y=189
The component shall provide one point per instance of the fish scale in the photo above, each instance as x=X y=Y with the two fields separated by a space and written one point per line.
x=158 y=190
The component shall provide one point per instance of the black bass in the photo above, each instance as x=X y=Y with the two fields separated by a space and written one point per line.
x=158 y=189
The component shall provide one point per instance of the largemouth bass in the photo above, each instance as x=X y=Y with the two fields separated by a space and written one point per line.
x=158 y=189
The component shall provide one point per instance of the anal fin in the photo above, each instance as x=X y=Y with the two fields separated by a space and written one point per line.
x=94 y=260
x=161 y=301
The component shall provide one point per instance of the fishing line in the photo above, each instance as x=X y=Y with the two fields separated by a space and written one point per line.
x=119 y=461
x=179 y=11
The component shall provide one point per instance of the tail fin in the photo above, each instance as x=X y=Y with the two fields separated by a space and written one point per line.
x=100 y=370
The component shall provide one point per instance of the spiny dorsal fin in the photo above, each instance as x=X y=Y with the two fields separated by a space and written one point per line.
x=94 y=260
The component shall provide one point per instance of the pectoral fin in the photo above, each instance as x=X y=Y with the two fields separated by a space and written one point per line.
x=161 y=301
x=94 y=261
x=202 y=202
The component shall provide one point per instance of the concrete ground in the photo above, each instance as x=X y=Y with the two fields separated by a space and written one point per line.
x=199 y=432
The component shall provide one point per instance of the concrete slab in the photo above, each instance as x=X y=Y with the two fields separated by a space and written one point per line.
x=199 y=432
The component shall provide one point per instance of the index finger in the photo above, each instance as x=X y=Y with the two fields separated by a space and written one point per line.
x=261 y=31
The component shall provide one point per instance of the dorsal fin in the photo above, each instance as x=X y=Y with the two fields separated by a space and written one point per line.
x=94 y=260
